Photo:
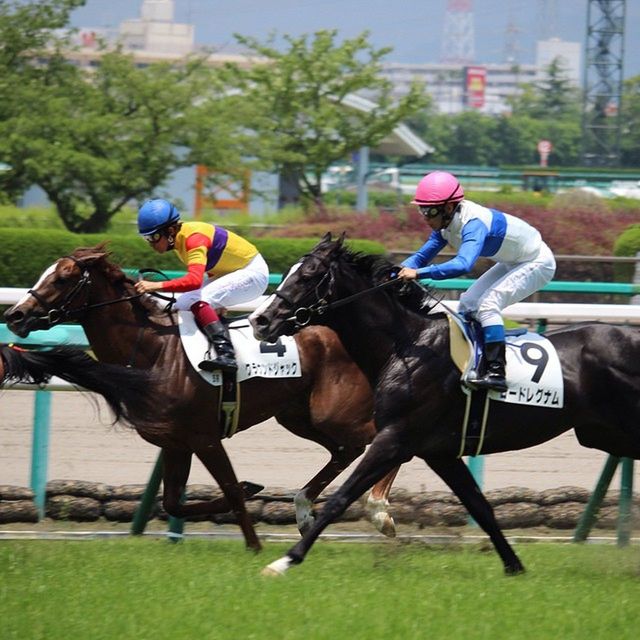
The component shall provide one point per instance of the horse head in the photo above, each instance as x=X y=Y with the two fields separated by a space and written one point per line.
x=329 y=277
x=61 y=292
x=305 y=289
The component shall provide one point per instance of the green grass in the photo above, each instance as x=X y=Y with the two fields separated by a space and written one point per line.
x=147 y=588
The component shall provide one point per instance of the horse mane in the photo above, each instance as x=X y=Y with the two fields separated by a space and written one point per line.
x=115 y=275
x=414 y=297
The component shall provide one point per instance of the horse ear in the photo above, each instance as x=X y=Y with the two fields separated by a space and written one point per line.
x=327 y=237
x=93 y=254
x=340 y=240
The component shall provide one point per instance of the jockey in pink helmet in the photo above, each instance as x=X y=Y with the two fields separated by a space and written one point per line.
x=523 y=263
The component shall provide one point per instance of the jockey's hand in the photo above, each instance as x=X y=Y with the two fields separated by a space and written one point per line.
x=147 y=286
x=408 y=274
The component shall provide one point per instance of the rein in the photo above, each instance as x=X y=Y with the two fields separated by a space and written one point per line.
x=303 y=315
x=56 y=315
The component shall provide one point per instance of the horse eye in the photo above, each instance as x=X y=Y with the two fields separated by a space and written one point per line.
x=306 y=273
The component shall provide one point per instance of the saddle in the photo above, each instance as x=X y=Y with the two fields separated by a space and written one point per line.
x=255 y=359
x=467 y=343
x=534 y=376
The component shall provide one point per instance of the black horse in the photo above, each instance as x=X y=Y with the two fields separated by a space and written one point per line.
x=419 y=405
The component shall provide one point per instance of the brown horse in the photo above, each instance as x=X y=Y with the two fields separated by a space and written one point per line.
x=330 y=404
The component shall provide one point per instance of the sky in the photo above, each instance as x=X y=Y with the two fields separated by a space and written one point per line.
x=413 y=28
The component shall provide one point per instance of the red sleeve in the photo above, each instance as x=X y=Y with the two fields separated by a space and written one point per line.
x=196 y=240
x=192 y=280
x=197 y=246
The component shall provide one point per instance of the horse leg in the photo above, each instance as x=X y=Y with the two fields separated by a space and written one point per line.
x=384 y=454
x=341 y=458
x=176 y=466
x=458 y=477
x=298 y=420
x=304 y=499
x=378 y=504
x=214 y=457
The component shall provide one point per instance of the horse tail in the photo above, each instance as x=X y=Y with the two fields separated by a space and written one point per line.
x=128 y=392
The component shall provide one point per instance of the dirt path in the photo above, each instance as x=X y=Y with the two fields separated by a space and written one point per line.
x=84 y=447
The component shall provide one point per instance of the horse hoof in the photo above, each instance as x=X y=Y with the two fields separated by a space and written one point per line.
x=385 y=524
x=514 y=570
x=277 y=567
x=250 y=488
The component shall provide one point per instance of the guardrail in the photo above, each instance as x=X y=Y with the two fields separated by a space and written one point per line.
x=73 y=335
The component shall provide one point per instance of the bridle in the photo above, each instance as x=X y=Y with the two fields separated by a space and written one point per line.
x=59 y=312
x=303 y=315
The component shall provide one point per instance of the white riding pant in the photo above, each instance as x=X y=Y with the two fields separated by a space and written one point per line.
x=239 y=286
x=506 y=283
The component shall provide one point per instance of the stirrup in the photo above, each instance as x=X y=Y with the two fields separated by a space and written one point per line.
x=219 y=364
x=491 y=381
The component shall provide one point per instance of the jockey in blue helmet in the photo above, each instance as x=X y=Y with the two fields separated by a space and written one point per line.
x=223 y=270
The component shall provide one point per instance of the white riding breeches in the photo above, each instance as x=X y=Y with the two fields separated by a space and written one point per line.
x=506 y=283
x=239 y=286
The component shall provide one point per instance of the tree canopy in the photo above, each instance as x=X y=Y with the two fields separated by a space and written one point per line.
x=299 y=123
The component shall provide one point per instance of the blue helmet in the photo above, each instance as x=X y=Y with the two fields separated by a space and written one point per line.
x=156 y=214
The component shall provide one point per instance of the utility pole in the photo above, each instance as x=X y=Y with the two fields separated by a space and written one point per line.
x=602 y=86
x=458 y=41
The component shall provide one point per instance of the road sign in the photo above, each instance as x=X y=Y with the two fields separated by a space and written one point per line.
x=544 y=146
x=544 y=149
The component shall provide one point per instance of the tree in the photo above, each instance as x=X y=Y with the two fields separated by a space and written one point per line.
x=27 y=29
x=295 y=100
x=95 y=141
x=552 y=97
x=630 y=117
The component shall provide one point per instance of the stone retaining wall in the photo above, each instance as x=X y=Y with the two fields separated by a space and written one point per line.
x=515 y=507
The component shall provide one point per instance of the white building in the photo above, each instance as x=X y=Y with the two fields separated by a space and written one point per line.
x=446 y=83
x=568 y=53
x=156 y=32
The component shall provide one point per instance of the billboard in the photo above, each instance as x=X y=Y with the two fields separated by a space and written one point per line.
x=475 y=82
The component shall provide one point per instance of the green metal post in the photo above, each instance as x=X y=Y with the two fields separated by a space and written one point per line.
x=542 y=326
x=591 y=510
x=143 y=511
x=624 y=507
x=476 y=467
x=40 y=449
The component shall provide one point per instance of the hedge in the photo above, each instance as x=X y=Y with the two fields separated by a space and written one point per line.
x=27 y=253
x=627 y=244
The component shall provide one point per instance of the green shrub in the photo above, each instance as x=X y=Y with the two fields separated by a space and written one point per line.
x=627 y=244
x=25 y=255
x=30 y=218
x=375 y=199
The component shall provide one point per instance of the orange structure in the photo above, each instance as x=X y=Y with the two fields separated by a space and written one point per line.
x=226 y=192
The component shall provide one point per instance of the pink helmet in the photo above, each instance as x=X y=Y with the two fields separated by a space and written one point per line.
x=437 y=188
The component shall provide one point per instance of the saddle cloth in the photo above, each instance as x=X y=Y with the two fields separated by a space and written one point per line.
x=255 y=359
x=534 y=374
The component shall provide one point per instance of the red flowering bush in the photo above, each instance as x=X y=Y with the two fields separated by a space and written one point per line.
x=568 y=226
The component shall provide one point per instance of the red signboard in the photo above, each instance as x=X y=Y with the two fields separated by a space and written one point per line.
x=475 y=85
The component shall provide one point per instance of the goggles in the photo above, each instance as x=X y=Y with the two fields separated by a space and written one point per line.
x=429 y=211
x=153 y=238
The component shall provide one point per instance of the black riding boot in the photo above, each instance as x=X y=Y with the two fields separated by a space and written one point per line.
x=218 y=335
x=494 y=376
